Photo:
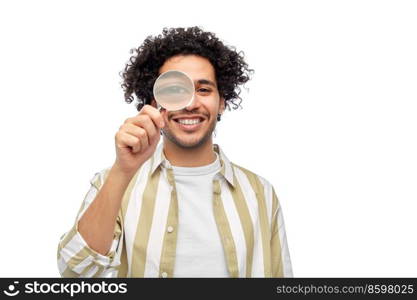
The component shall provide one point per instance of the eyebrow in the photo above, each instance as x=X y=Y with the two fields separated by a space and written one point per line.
x=205 y=81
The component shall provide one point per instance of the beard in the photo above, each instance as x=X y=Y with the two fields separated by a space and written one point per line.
x=187 y=142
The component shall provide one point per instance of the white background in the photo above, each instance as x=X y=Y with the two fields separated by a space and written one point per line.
x=329 y=120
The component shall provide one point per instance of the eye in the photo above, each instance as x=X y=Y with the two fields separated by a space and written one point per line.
x=204 y=91
x=173 y=89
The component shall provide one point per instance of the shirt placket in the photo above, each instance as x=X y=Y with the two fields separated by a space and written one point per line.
x=166 y=268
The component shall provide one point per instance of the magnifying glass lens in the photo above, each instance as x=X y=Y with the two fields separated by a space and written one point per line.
x=173 y=90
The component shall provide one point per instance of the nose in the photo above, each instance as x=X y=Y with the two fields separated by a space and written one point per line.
x=195 y=104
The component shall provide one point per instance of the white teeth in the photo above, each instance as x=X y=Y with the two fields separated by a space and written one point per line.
x=189 y=121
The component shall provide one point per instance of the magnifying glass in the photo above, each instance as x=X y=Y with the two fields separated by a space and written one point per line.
x=173 y=90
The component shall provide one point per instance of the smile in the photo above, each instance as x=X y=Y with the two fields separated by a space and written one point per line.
x=188 y=121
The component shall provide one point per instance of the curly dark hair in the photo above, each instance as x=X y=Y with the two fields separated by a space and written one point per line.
x=141 y=71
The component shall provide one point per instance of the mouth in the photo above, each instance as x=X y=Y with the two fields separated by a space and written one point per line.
x=189 y=123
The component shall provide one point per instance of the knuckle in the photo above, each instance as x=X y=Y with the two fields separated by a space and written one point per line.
x=149 y=109
x=144 y=109
x=136 y=140
x=146 y=118
x=141 y=133
x=125 y=127
x=140 y=119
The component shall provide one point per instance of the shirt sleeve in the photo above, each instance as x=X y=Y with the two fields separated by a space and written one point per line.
x=280 y=255
x=76 y=258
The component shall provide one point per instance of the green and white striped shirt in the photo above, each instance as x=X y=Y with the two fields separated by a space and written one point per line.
x=246 y=210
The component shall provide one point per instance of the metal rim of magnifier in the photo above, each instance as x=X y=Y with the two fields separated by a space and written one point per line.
x=185 y=74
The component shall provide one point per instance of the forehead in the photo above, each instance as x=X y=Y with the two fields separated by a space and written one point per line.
x=196 y=67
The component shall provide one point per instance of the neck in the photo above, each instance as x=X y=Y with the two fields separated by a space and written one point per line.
x=189 y=157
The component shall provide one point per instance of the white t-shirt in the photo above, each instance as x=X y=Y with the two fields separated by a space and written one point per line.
x=199 y=248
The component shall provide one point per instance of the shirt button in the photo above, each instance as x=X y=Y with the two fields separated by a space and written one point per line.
x=170 y=229
x=164 y=274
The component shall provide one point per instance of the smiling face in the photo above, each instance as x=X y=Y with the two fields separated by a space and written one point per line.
x=193 y=126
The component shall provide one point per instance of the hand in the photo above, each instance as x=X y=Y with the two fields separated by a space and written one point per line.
x=137 y=138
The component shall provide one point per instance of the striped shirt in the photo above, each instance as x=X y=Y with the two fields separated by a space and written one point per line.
x=246 y=209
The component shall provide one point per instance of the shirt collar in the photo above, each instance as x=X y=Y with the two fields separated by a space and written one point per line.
x=226 y=170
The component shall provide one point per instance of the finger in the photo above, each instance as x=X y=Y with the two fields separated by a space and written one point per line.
x=143 y=137
x=146 y=123
x=136 y=131
x=125 y=140
x=139 y=133
x=154 y=114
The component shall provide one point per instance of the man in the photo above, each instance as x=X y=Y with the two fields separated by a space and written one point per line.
x=178 y=208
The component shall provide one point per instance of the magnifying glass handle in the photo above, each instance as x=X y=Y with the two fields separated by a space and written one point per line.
x=159 y=107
